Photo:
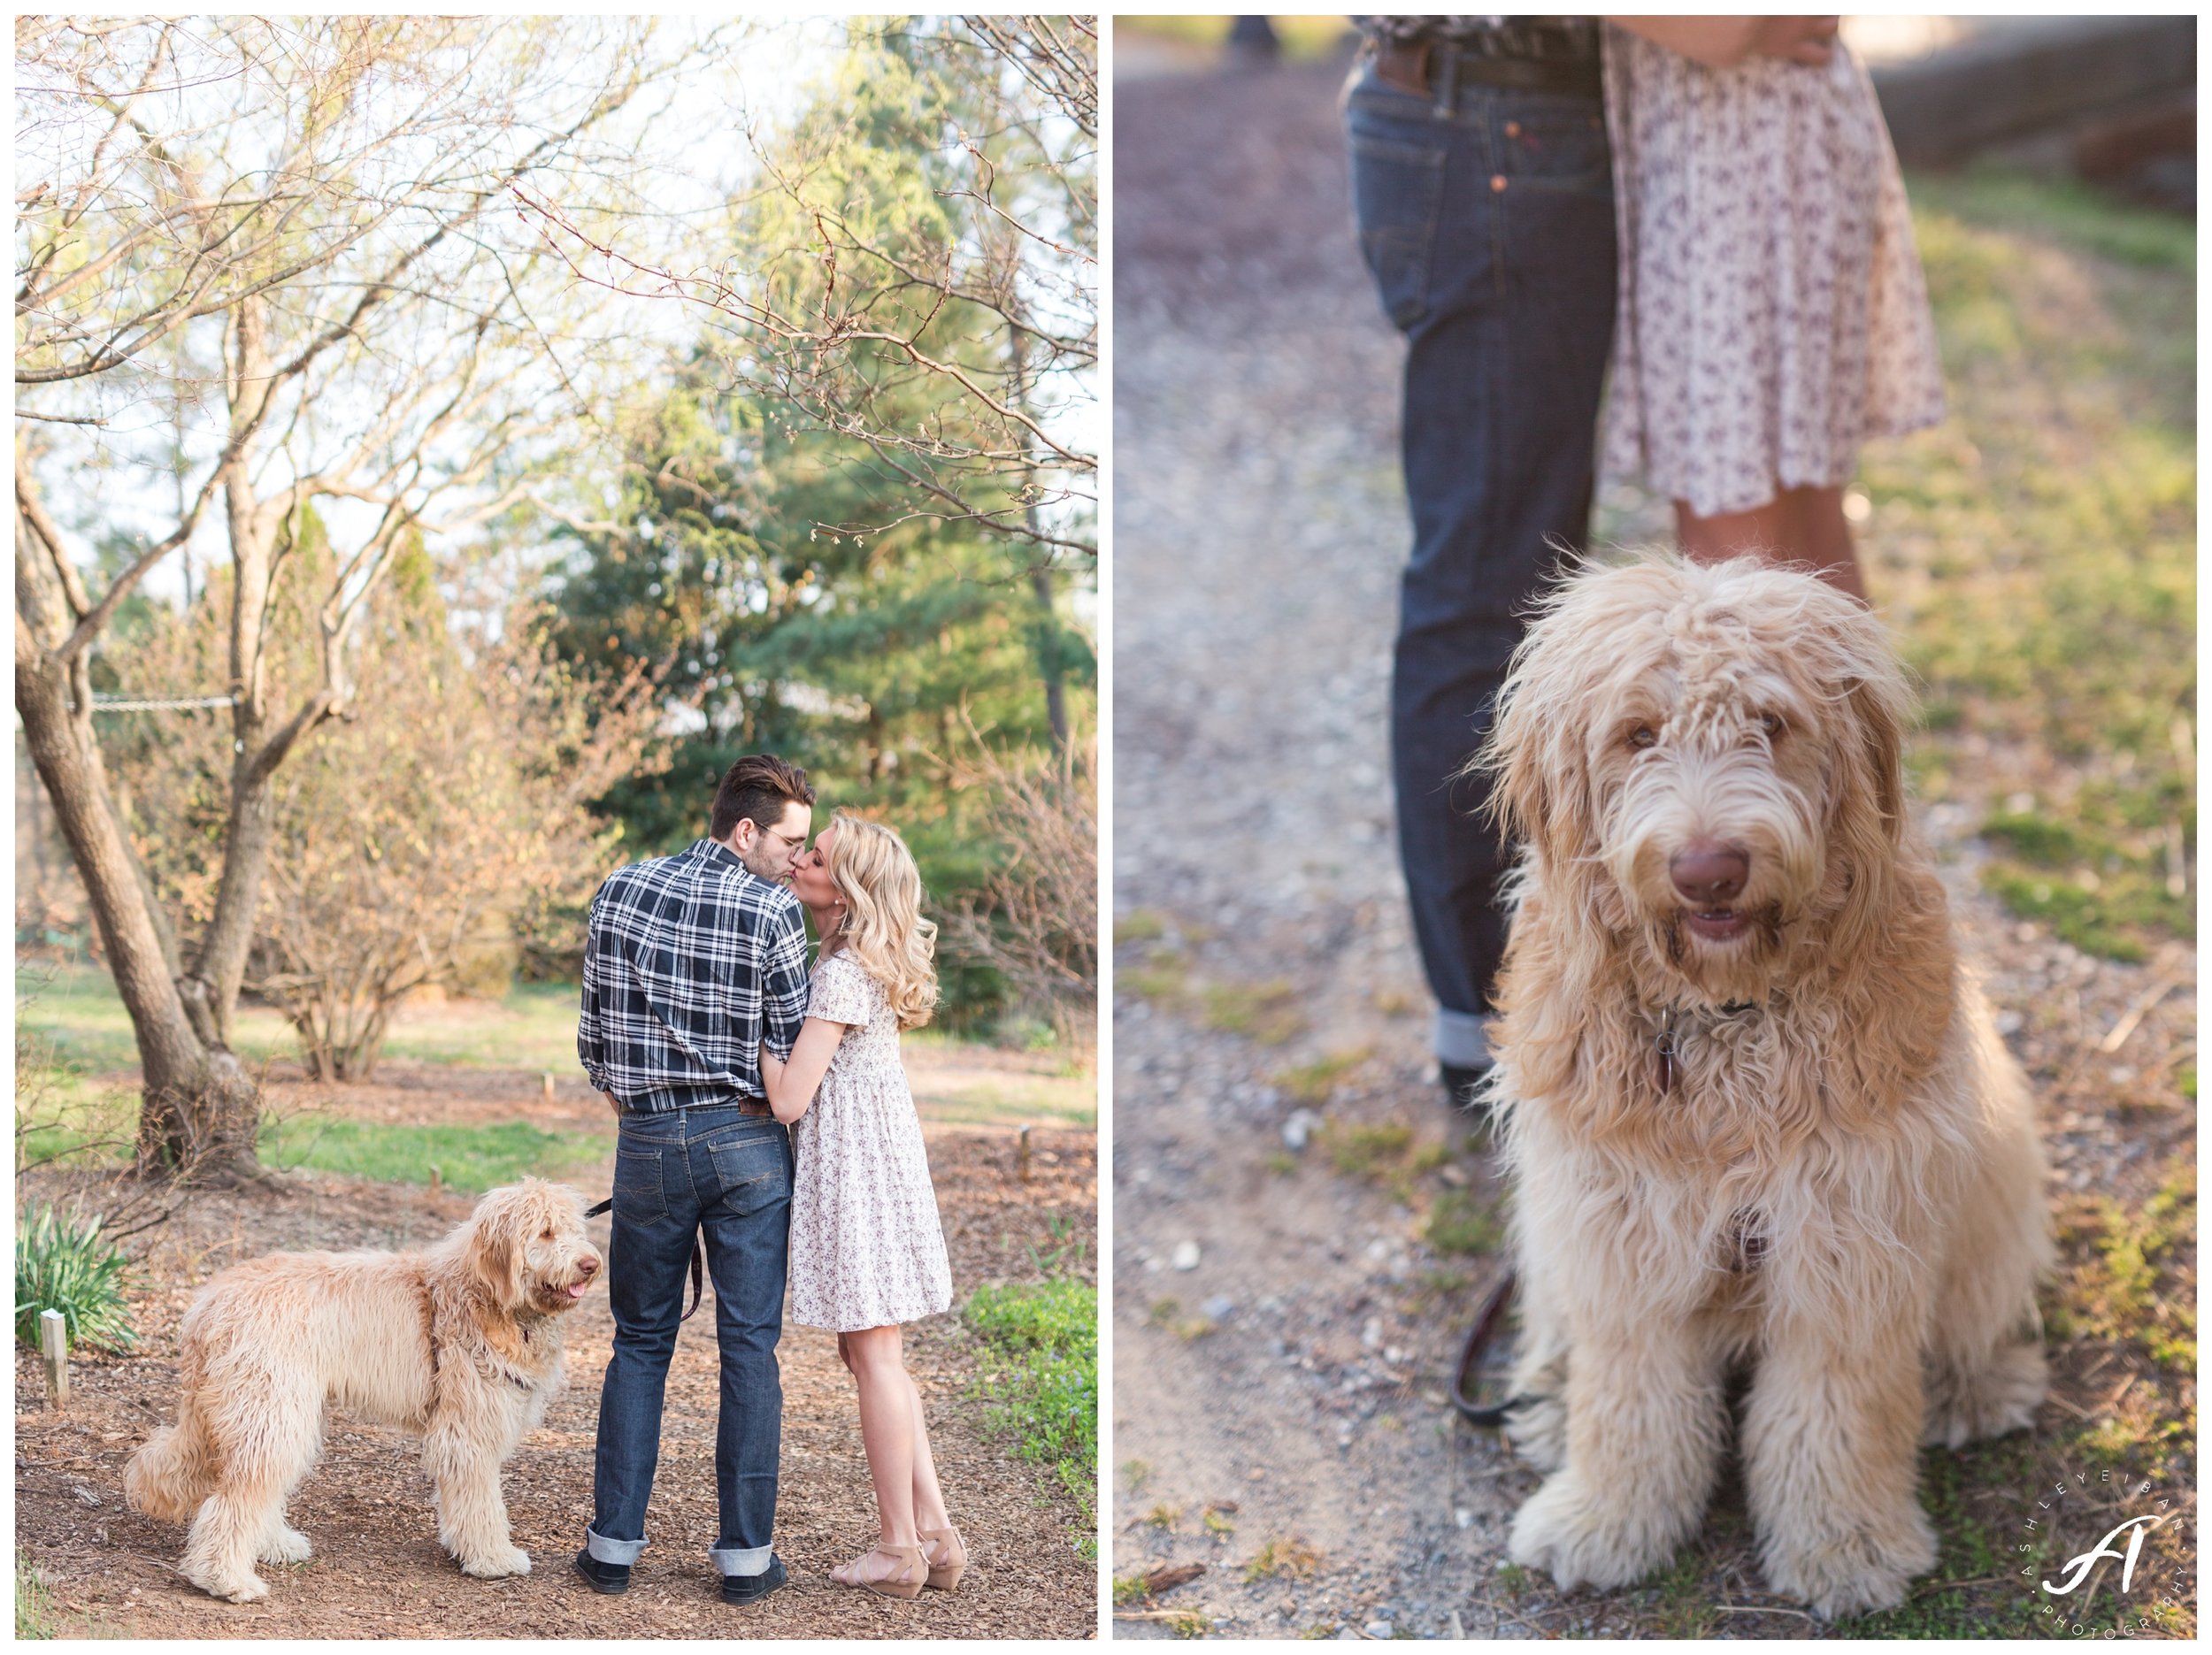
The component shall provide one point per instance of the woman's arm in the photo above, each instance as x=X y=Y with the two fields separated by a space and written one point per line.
x=791 y=1085
x=1722 y=42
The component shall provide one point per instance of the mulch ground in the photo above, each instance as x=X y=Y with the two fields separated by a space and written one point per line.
x=378 y=1570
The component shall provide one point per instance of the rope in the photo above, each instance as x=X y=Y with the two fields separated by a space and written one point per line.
x=116 y=704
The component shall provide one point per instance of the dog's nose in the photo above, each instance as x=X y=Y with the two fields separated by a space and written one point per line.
x=1708 y=872
x=589 y=1265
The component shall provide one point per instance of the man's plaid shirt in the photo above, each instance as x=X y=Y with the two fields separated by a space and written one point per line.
x=690 y=962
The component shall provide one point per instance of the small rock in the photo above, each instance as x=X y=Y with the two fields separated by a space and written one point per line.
x=1380 y=1630
x=1451 y=1173
x=1185 y=1255
x=1220 y=1308
x=85 y=1494
x=1299 y=1129
x=1393 y=1355
x=1370 y=1336
x=2010 y=1023
x=1464 y=1518
x=1345 y=1635
x=1152 y=1267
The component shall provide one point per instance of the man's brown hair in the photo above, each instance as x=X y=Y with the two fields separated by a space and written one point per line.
x=759 y=788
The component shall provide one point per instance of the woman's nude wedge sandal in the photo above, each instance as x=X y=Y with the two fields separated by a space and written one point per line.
x=913 y=1571
x=945 y=1577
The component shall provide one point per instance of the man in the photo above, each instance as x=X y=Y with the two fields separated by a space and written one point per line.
x=691 y=962
x=1482 y=187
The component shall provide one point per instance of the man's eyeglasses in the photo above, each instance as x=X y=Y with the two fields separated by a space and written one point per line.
x=788 y=841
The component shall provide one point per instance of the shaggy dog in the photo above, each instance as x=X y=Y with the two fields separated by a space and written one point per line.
x=1755 y=1111
x=460 y=1344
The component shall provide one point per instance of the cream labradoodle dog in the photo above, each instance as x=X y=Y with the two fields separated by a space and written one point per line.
x=1755 y=1111
x=460 y=1344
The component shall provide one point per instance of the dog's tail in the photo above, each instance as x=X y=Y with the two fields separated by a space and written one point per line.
x=174 y=1471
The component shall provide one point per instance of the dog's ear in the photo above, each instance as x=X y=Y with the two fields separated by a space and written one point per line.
x=1539 y=783
x=1867 y=821
x=497 y=1247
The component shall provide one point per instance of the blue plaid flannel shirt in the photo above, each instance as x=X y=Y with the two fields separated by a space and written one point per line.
x=690 y=962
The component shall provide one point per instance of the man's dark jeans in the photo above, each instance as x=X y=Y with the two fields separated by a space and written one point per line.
x=729 y=1175
x=1486 y=219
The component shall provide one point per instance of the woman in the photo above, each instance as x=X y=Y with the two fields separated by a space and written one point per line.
x=866 y=1250
x=1772 y=313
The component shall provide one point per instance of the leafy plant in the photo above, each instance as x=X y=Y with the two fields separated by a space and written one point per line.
x=67 y=1265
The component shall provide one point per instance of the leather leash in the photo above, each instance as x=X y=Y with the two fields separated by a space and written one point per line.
x=698 y=1259
x=1478 y=1337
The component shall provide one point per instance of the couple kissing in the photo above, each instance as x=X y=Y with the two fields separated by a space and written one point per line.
x=764 y=1111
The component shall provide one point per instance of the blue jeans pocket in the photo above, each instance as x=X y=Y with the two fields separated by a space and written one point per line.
x=1397 y=200
x=639 y=1196
x=749 y=1164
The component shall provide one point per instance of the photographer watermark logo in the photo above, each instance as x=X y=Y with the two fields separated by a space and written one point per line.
x=2100 y=1521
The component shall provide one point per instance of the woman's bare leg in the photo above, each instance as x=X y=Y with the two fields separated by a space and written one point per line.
x=1799 y=526
x=887 y=1417
x=929 y=1501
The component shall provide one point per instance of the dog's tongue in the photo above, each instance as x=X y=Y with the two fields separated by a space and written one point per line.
x=576 y=1290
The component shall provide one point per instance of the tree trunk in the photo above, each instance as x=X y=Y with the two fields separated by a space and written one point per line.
x=211 y=987
x=1049 y=660
x=200 y=1111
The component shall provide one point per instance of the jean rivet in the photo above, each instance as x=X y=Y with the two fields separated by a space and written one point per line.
x=1497 y=181
x=1513 y=129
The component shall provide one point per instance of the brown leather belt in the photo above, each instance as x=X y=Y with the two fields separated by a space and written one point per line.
x=1416 y=68
x=745 y=1105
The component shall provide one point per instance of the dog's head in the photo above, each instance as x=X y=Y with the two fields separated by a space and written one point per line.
x=526 y=1245
x=1704 y=760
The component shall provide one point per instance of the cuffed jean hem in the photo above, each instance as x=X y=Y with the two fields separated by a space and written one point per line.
x=1462 y=1039
x=741 y=1559
x=619 y=1551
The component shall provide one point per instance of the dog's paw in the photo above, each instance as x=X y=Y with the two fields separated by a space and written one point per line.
x=1538 y=1431
x=2001 y=1396
x=1854 y=1572
x=288 y=1544
x=1580 y=1540
x=246 y=1589
x=497 y=1564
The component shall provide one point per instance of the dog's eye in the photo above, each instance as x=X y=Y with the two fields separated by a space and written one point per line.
x=1643 y=735
x=547 y=1235
x=1771 y=723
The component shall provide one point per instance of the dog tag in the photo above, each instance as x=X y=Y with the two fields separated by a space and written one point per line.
x=1662 y=1065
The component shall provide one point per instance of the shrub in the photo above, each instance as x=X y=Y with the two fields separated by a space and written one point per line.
x=67 y=1265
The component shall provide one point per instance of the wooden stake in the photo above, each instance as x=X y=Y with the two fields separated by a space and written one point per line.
x=53 y=1344
x=1021 y=1155
x=548 y=1086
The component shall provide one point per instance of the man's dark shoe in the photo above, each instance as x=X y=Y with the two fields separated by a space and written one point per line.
x=1459 y=1083
x=614 y=1579
x=750 y=1588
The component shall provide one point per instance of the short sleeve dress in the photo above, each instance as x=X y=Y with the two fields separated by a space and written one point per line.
x=866 y=1247
x=1773 y=314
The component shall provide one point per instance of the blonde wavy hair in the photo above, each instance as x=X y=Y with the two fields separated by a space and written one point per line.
x=883 y=928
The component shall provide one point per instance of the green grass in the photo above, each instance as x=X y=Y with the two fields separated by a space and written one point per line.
x=1027 y=1101
x=1316 y=1083
x=469 y=1159
x=1461 y=1224
x=2036 y=553
x=78 y=1011
x=1040 y=1359
x=1265 y=1012
x=34 y=1606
